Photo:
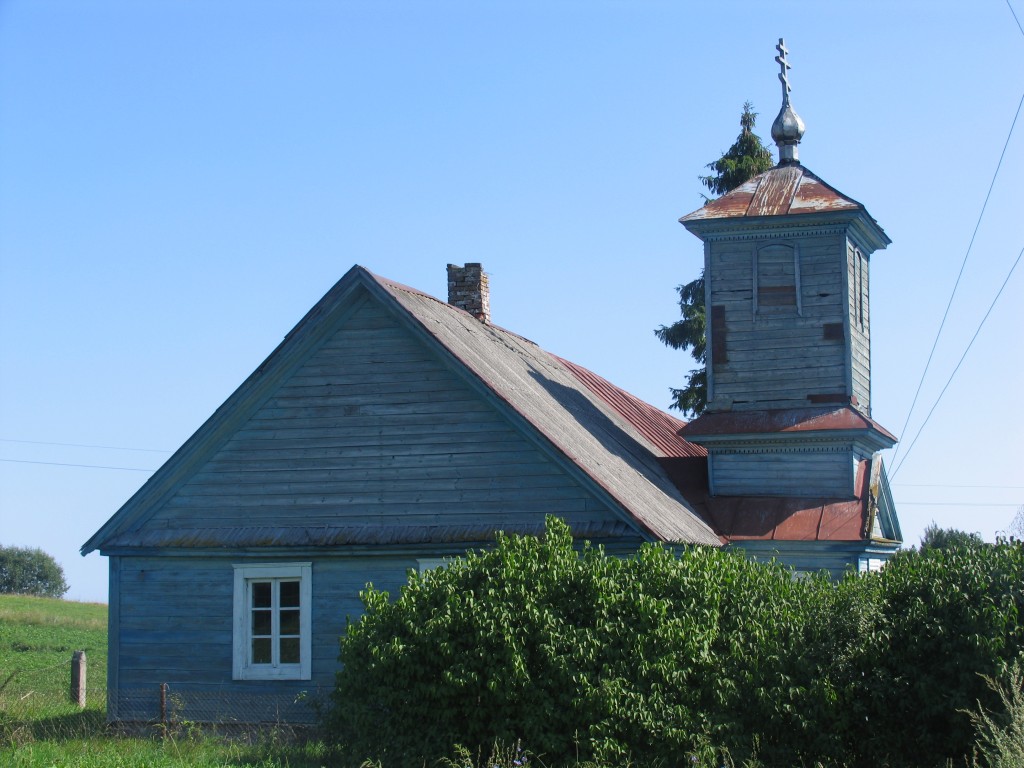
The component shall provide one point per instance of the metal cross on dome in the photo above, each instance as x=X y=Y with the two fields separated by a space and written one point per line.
x=783 y=76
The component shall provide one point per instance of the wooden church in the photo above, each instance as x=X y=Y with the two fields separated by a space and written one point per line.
x=390 y=430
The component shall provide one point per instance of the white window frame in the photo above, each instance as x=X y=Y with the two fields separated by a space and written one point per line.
x=424 y=564
x=868 y=564
x=245 y=575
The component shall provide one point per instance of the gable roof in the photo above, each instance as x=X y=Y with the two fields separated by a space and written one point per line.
x=614 y=451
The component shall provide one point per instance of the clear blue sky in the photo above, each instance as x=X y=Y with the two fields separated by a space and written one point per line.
x=180 y=181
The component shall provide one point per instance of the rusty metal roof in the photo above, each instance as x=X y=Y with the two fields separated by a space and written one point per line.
x=780 y=191
x=816 y=419
x=633 y=452
x=767 y=518
x=616 y=446
x=657 y=426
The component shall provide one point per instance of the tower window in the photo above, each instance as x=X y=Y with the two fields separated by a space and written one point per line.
x=776 y=280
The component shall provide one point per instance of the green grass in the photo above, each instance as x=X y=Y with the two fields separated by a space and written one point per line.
x=37 y=637
x=40 y=727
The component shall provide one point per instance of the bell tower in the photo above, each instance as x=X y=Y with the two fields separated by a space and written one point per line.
x=786 y=260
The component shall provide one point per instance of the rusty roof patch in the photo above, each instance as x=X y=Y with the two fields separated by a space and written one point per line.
x=776 y=191
x=727 y=206
x=779 y=191
x=657 y=426
x=769 y=518
x=782 y=420
x=814 y=195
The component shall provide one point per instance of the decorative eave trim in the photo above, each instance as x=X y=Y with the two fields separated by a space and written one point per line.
x=868 y=439
x=868 y=233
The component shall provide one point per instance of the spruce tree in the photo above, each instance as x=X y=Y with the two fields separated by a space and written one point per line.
x=746 y=158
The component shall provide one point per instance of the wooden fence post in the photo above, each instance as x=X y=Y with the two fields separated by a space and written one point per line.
x=78 y=669
x=163 y=703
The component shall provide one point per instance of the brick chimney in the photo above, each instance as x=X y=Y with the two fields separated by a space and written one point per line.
x=468 y=290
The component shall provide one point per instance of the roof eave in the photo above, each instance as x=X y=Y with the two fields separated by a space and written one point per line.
x=866 y=230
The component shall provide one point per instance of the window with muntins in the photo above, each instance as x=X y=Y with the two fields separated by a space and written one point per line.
x=272 y=627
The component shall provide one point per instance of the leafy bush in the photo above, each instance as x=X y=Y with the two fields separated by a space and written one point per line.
x=579 y=654
x=645 y=660
x=1001 y=734
x=25 y=571
x=913 y=657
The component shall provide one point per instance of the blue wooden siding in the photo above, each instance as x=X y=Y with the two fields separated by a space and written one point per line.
x=784 y=473
x=374 y=429
x=775 y=357
x=860 y=325
x=176 y=628
x=837 y=558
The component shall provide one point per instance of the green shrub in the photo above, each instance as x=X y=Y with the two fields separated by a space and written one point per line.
x=26 y=571
x=578 y=654
x=913 y=659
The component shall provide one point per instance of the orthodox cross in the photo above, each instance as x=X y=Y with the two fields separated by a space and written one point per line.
x=781 y=59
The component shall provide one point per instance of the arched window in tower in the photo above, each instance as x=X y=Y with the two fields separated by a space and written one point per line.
x=777 y=280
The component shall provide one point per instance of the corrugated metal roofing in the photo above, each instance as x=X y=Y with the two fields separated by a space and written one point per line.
x=657 y=426
x=782 y=190
x=616 y=453
x=825 y=418
x=745 y=518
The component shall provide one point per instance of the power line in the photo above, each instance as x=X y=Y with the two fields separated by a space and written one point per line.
x=1015 y=17
x=83 y=445
x=951 y=504
x=84 y=466
x=949 y=485
x=964 y=355
x=963 y=264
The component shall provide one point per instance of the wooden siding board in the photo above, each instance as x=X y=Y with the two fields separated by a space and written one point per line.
x=197 y=654
x=113 y=634
x=791 y=474
x=381 y=452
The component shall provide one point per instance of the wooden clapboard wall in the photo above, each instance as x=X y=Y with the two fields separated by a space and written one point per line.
x=777 y=321
x=374 y=429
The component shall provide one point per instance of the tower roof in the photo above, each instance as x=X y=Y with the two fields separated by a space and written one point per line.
x=780 y=191
x=784 y=190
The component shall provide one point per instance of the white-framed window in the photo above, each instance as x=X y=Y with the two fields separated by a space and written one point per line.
x=424 y=564
x=870 y=564
x=272 y=623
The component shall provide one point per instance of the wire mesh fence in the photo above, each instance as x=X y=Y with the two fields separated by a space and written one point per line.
x=36 y=702
x=46 y=690
x=172 y=704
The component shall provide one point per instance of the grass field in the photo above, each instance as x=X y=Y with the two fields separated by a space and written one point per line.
x=39 y=726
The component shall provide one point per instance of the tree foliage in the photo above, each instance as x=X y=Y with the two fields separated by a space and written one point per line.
x=665 y=654
x=948 y=538
x=936 y=622
x=746 y=158
x=577 y=653
x=27 y=571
